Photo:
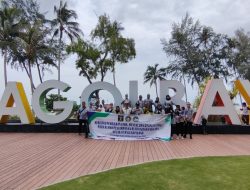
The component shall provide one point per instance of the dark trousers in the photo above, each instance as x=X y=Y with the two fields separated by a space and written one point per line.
x=172 y=129
x=204 y=128
x=83 y=127
x=181 y=128
x=177 y=128
x=245 y=119
x=188 y=129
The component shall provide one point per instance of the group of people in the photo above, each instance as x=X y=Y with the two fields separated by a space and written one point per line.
x=181 y=117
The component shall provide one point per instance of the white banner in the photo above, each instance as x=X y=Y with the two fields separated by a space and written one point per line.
x=129 y=127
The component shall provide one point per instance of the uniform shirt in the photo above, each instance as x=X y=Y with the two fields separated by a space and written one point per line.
x=245 y=110
x=141 y=103
x=158 y=108
x=177 y=116
x=168 y=104
x=148 y=103
x=189 y=114
x=83 y=113
x=126 y=111
x=182 y=114
x=137 y=111
x=126 y=101
x=111 y=110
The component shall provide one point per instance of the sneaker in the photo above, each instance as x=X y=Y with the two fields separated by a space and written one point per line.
x=177 y=138
x=182 y=137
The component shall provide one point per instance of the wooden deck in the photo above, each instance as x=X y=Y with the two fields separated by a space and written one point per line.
x=33 y=160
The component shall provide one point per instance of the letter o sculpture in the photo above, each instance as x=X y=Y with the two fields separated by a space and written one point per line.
x=89 y=90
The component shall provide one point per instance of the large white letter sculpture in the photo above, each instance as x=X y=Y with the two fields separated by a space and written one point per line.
x=179 y=89
x=38 y=102
x=215 y=88
x=133 y=91
x=14 y=94
x=92 y=88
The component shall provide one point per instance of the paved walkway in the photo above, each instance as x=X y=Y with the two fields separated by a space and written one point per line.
x=33 y=160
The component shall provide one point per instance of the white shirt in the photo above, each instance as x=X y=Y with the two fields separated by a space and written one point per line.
x=126 y=111
x=245 y=110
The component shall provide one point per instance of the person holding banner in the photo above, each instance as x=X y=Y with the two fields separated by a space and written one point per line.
x=148 y=105
x=158 y=106
x=126 y=108
x=137 y=110
x=111 y=108
x=83 y=119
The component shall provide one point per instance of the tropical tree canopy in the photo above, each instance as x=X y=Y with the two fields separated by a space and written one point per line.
x=9 y=28
x=197 y=52
x=106 y=48
x=241 y=53
x=153 y=74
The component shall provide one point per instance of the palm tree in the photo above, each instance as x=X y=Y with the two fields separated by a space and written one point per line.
x=8 y=31
x=152 y=74
x=33 y=48
x=63 y=24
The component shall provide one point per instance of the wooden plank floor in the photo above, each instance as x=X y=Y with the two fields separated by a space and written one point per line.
x=33 y=160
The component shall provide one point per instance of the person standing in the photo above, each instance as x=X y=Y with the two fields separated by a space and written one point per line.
x=126 y=101
x=137 y=110
x=118 y=110
x=140 y=102
x=83 y=119
x=111 y=108
x=158 y=106
x=177 y=117
x=245 y=113
x=182 y=122
x=148 y=105
x=204 y=125
x=168 y=105
x=126 y=109
x=189 y=120
x=168 y=109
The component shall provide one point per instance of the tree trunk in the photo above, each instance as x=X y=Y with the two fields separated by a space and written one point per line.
x=39 y=73
x=156 y=89
x=114 y=75
x=184 y=81
x=5 y=68
x=59 y=60
x=31 y=79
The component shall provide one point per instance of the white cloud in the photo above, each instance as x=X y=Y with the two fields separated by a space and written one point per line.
x=147 y=22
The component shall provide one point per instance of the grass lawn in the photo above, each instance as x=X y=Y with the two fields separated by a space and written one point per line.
x=213 y=173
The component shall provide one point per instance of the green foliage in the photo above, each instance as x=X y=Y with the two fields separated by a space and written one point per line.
x=153 y=74
x=51 y=98
x=106 y=48
x=14 y=117
x=241 y=54
x=9 y=25
x=197 y=52
x=207 y=173
x=202 y=88
x=63 y=23
x=75 y=107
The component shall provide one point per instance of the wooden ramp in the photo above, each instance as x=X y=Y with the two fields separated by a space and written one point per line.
x=33 y=160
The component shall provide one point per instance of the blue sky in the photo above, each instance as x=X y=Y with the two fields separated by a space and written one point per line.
x=147 y=22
